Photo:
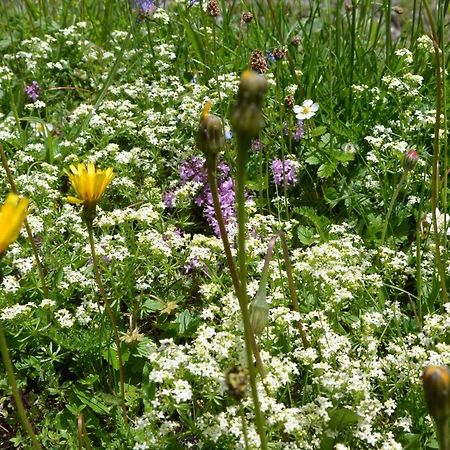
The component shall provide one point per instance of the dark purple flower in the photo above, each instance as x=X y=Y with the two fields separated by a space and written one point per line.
x=269 y=57
x=290 y=171
x=32 y=91
x=256 y=145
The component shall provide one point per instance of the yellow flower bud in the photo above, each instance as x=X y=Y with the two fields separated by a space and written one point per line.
x=210 y=139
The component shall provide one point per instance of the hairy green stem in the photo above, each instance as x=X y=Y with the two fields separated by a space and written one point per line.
x=212 y=180
x=435 y=176
x=12 y=183
x=110 y=312
x=241 y=179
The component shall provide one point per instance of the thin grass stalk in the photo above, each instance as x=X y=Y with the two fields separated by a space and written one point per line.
x=244 y=426
x=241 y=178
x=13 y=186
x=435 y=175
x=288 y=54
x=110 y=312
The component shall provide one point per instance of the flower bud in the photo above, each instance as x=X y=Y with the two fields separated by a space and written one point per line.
x=247 y=16
x=210 y=139
x=246 y=116
x=236 y=380
x=410 y=160
x=259 y=311
x=436 y=386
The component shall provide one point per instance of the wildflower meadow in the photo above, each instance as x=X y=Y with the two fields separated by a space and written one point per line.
x=224 y=224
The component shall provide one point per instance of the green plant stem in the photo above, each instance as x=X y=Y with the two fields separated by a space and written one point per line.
x=244 y=426
x=443 y=434
x=110 y=312
x=16 y=394
x=12 y=183
x=292 y=290
x=391 y=206
x=212 y=180
x=435 y=175
x=241 y=178
x=12 y=382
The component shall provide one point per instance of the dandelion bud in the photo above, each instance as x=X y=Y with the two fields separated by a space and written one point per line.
x=259 y=311
x=258 y=62
x=236 y=380
x=246 y=116
x=212 y=8
x=247 y=16
x=436 y=386
x=410 y=160
x=210 y=139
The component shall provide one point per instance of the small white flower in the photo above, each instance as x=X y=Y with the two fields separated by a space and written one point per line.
x=307 y=110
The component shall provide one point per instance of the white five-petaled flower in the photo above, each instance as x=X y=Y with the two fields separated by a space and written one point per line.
x=307 y=110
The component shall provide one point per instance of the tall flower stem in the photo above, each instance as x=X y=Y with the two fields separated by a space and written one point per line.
x=15 y=390
x=241 y=178
x=110 y=312
x=12 y=183
x=435 y=176
x=212 y=180
x=391 y=206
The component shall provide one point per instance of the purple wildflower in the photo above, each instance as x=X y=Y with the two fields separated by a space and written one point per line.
x=32 y=91
x=145 y=8
x=270 y=58
x=256 y=145
x=299 y=132
x=193 y=170
x=169 y=199
x=290 y=171
x=228 y=135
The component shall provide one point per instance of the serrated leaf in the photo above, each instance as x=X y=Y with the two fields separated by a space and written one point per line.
x=313 y=160
x=305 y=235
x=327 y=169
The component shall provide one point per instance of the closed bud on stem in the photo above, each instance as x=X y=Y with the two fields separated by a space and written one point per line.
x=210 y=138
x=259 y=311
x=246 y=116
x=410 y=160
x=436 y=386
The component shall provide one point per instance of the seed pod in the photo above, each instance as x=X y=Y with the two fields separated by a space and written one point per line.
x=279 y=53
x=296 y=40
x=436 y=386
x=210 y=139
x=257 y=61
x=236 y=380
x=212 y=8
x=289 y=101
x=247 y=16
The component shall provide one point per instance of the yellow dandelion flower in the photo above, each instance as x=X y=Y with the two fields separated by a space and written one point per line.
x=12 y=215
x=89 y=183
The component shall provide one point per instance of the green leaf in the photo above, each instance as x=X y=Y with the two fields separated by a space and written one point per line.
x=151 y=305
x=341 y=418
x=184 y=319
x=305 y=235
x=327 y=169
x=318 y=131
x=313 y=160
x=88 y=399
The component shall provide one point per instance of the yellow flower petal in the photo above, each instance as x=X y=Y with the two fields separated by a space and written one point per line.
x=12 y=215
